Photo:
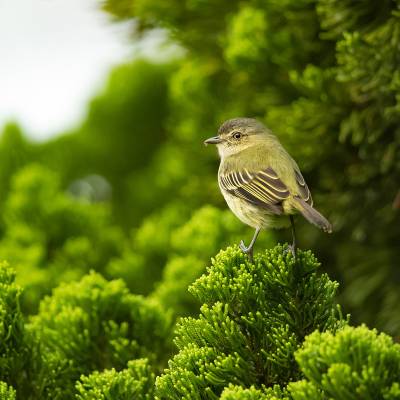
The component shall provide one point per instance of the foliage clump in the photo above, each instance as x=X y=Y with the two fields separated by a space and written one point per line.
x=355 y=363
x=7 y=392
x=170 y=250
x=239 y=393
x=267 y=331
x=352 y=363
x=134 y=382
x=93 y=325
x=144 y=255
x=15 y=352
x=52 y=237
x=192 y=244
x=253 y=319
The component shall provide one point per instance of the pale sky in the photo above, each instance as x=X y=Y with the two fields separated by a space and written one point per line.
x=54 y=55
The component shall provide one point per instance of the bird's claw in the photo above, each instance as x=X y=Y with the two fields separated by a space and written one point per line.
x=243 y=247
x=292 y=249
x=247 y=250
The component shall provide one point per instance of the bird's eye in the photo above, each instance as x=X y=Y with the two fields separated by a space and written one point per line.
x=236 y=135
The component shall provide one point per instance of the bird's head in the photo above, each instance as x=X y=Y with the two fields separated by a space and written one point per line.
x=238 y=134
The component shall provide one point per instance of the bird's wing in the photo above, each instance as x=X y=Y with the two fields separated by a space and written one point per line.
x=262 y=188
x=304 y=191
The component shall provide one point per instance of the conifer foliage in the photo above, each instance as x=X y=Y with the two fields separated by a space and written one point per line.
x=93 y=325
x=135 y=382
x=253 y=319
x=267 y=331
x=355 y=363
x=6 y=392
x=14 y=348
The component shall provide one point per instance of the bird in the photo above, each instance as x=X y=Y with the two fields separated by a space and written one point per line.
x=260 y=181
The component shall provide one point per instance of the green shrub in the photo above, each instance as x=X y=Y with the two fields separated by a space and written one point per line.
x=51 y=237
x=15 y=151
x=239 y=393
x=143 y=257
x=170 y=250
x=6 y=392
x=355 y=363
x=15 y=350
x=135 y=382
x=94 y=325
x=254 y=317
x=172 y=290
x=191 y=246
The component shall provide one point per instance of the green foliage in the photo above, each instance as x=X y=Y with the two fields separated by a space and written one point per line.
x=14 y=153
x=355 y=363
x=172 y=291
x=143 y=257
x=94 y=324
x=51 y=237
x=249 y=26
x=14 y=349
x=239 y=393
x=170 y=249
x=269 y=330
x=6 y=392
x=254 y=317
x=135 y=382
x=192 y=245
x=206 y=232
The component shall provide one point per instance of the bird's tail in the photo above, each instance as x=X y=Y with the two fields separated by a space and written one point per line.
x=312 y=215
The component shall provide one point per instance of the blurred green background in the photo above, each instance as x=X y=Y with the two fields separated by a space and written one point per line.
x=131 y=192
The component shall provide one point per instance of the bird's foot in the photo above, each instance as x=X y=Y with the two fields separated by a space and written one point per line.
x=247 y=250
x=243 y=247
x=292 y=249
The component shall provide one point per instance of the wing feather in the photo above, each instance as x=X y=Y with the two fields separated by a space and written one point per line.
x=263 y=188
x=304 y=191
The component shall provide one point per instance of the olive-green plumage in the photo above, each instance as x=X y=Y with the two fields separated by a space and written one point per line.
x=260 y=182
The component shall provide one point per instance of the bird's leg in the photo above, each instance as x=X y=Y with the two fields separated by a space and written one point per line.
x=293 y=246
x=249 y=250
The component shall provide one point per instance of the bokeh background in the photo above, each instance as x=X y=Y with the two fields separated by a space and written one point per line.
x=104 y=107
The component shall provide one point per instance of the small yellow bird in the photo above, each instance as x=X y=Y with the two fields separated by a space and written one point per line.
x=259 y=180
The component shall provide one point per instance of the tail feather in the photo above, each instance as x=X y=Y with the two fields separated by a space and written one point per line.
x=312 y=215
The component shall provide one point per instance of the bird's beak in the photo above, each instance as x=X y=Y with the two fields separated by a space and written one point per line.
x=213 y=140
